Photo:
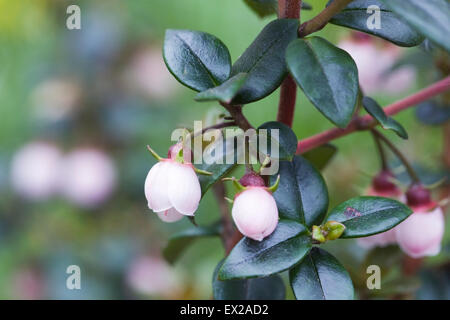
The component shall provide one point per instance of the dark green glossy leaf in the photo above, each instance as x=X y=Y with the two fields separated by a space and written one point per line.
x=365 y=216
x=264 y=60
x=302 y=194
x=284 y=139
x=225 y=92
x=431 y=113
x=180 y=241
x=327 y=75
x=393 y=29
x=268 y=288
x=218 y=162
x=264 y=8
x=320 y=276
x=286 y=246
x=374 y=109
x=430 y=18
x=320 y=156
x=198 y=60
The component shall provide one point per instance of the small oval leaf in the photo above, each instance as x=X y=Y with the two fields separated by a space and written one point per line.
x=225 y=92
x=320 y=276
x=357 y=16
x=268 y=288
x=286 y=246
x=302 y=194
x=430 y=18
x=365 y=216
x=284 y=140
x=198 y=60
x=222 y=157
x=327 y=75
x=374 y=109
x=264 y=60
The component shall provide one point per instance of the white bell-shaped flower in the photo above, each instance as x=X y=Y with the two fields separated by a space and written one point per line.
x=255 y=212
x=421 y=233
x=172 y=189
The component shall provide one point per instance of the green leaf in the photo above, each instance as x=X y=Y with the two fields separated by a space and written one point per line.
x=264 y=8
x=302 y=194
x=286 y=246
x=306 y=6
x=365 y=216
x=220 y=152
x=430 y=18
x=268 y=288
x=225 y=92
x=327 y=75
x=264 y=61
x=198 y=60
x=320 y=156
x=320 y=276
x=432 y=113
x=374 y=109
x=180 y=241
x=284 y=140
x=393 y=29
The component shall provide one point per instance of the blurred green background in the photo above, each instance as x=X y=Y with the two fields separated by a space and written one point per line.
x=123 y=99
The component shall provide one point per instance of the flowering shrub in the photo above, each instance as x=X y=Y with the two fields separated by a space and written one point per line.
x=284 y=217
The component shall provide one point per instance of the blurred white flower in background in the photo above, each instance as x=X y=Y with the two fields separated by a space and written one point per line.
x=374 y=60
x=55 y=99
x=152 y=276
x=85 y=176
x=35 y=170
x=421 y=234
x=147 y=73
x=88 y=177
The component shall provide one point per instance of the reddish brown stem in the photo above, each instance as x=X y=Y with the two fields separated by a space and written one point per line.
x=228 y=229
x=288 y=94
x=319 y=21
x=289 y=9
x=367 y=122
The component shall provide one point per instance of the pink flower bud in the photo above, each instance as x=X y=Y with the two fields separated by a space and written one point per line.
x=172 y=190
x=255 y=213
x=89 y=177
x=252 y=179
x=35 y=170
x=421 y=233
x=382 y=186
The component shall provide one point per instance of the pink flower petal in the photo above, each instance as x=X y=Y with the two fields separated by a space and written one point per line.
x=421 y=233
x=156 y=187
x=170 y=215
x=184 y=188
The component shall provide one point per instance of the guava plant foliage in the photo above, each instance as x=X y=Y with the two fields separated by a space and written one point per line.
x=287 y=53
